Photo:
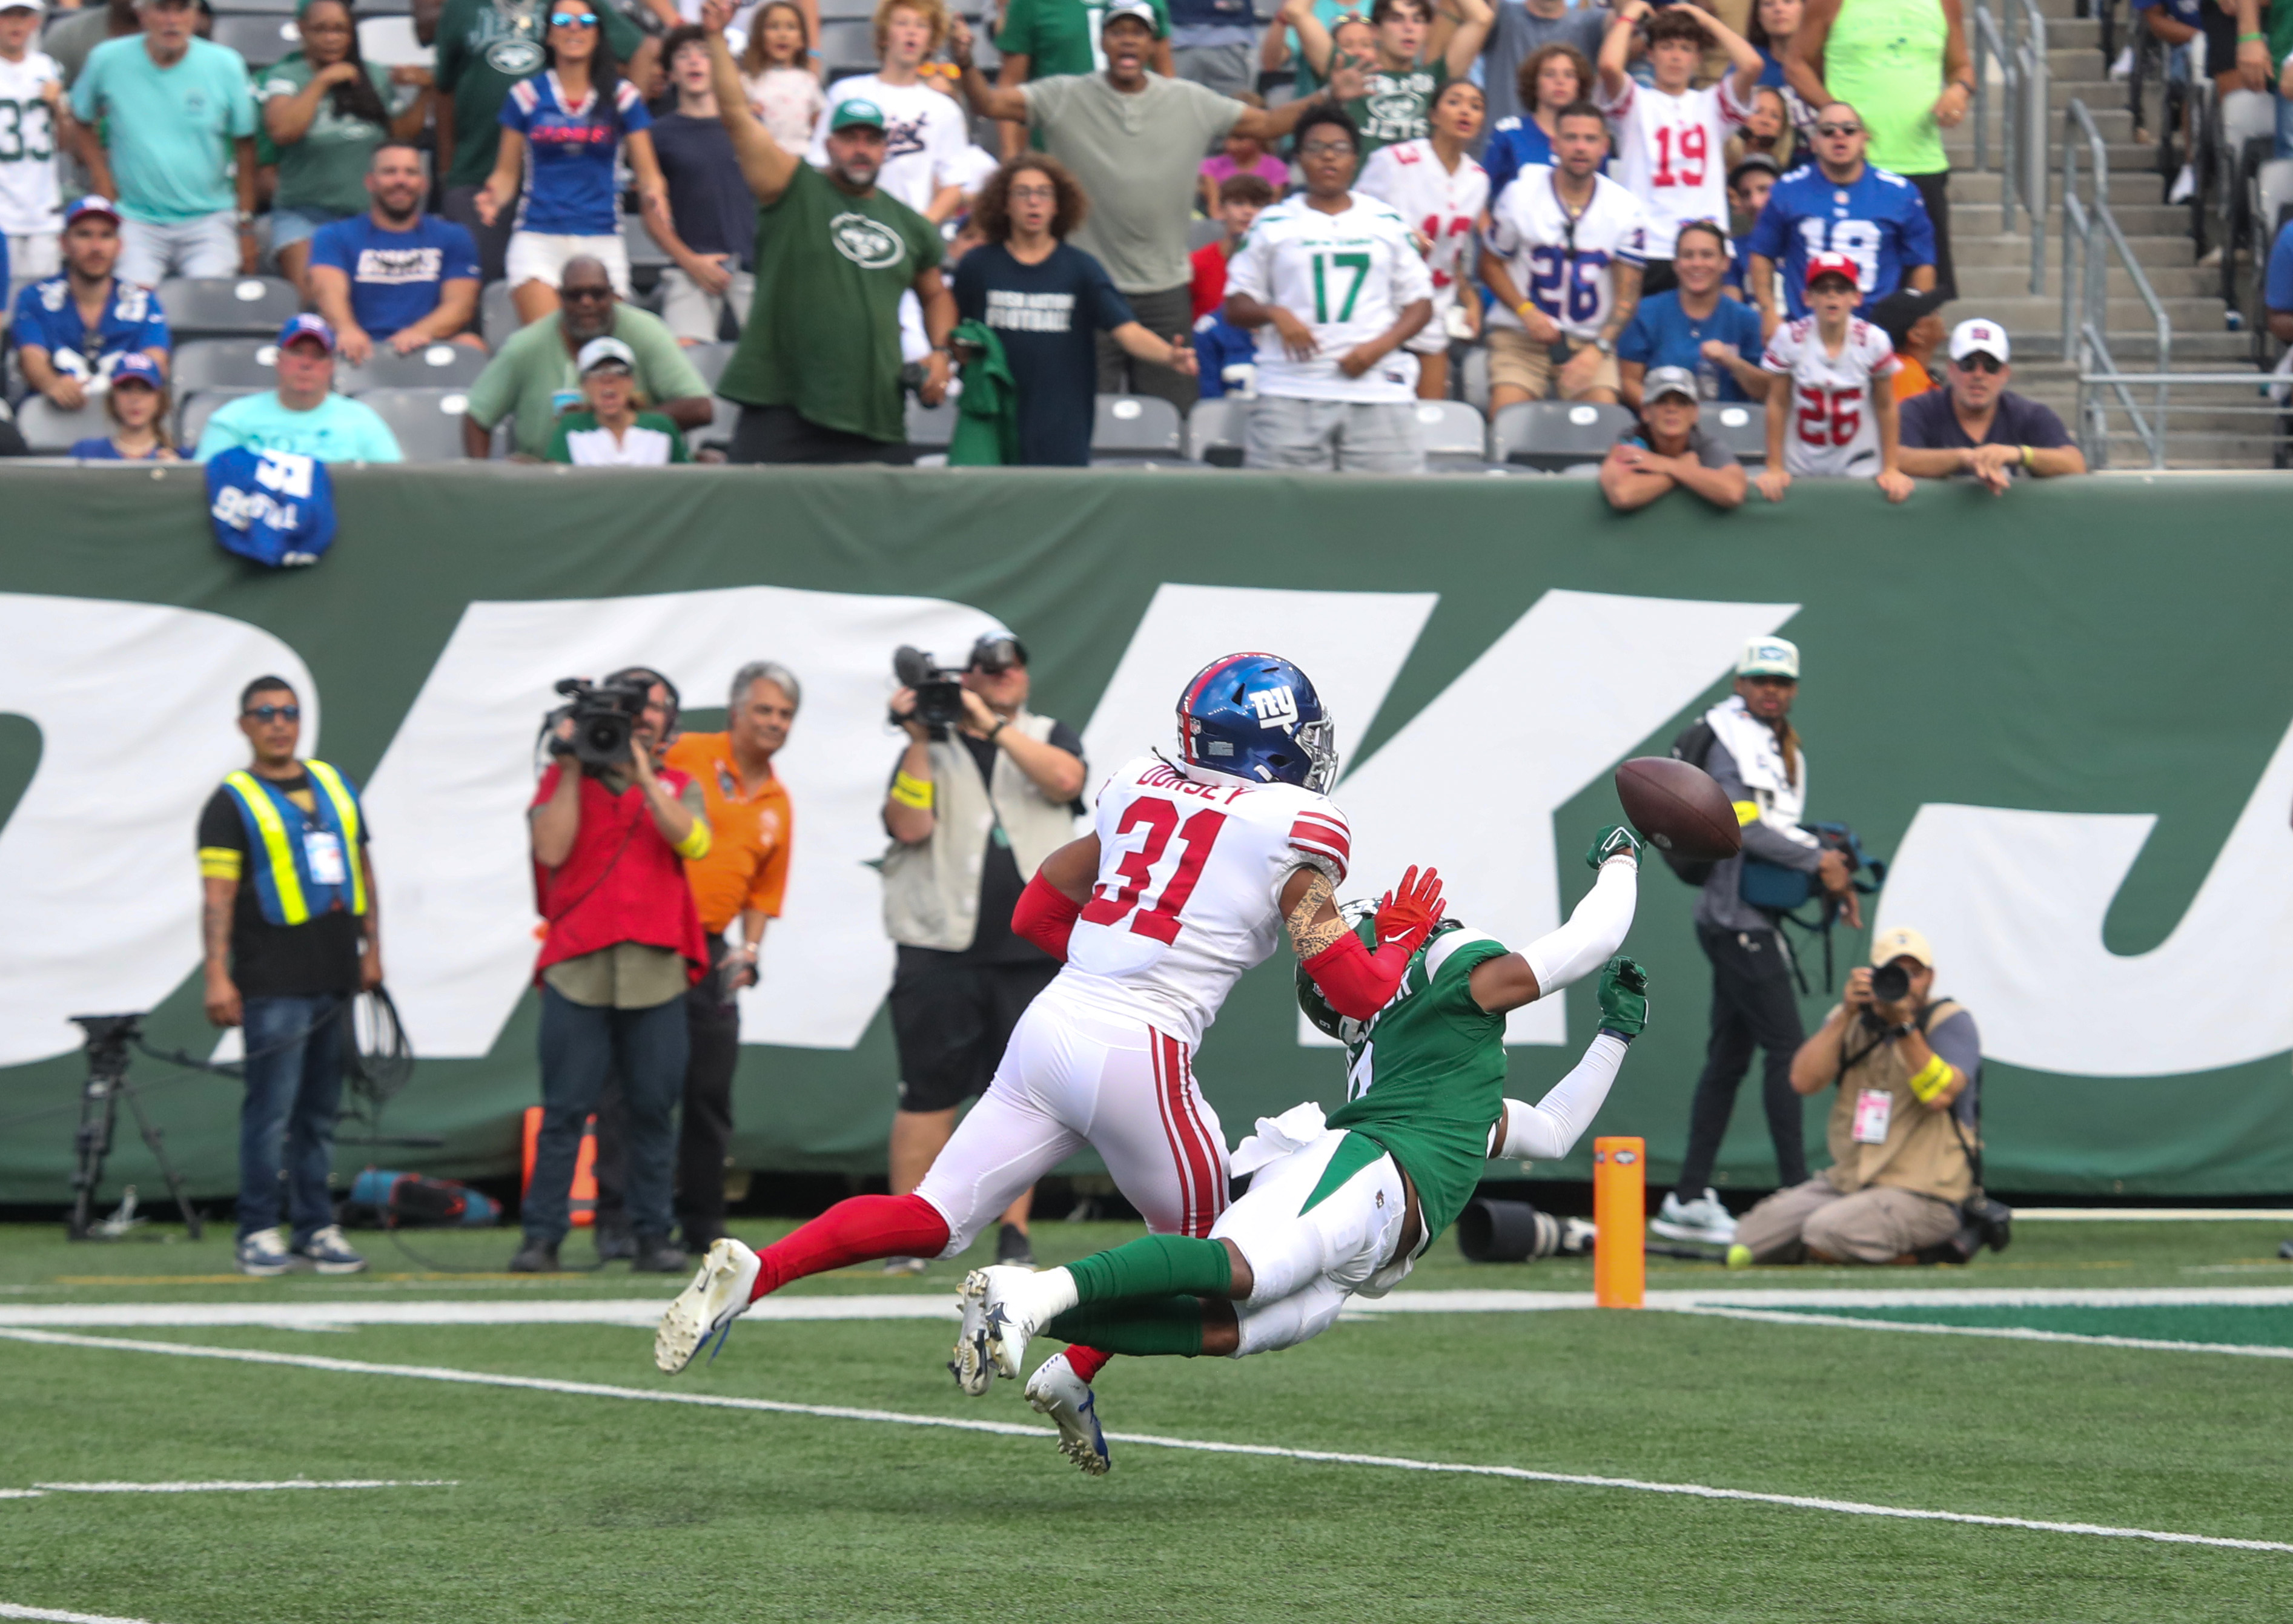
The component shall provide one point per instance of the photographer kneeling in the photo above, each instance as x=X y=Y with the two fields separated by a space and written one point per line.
x=1901 y=1130
x=984 y=791
x=622 y=944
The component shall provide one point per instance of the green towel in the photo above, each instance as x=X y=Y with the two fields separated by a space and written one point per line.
x=987 y=412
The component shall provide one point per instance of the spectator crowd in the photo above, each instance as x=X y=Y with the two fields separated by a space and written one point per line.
x=1502 y=201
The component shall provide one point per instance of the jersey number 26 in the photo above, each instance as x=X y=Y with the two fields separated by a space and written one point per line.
x=1829 y=416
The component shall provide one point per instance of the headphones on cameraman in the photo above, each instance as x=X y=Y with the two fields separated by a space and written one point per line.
x=647 y=674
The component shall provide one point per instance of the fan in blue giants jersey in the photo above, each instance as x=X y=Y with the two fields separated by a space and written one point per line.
x=1841 y=205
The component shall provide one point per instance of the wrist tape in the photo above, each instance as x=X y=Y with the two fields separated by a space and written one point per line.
x=1931 y=1079
x=915 y=792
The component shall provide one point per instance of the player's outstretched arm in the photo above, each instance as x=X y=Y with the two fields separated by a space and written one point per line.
x=1551 y=1126
x=1053 y=900
x=1355 y=981
x=1569 y=954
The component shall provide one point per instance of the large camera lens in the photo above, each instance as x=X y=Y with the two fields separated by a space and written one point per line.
x=1890 y=984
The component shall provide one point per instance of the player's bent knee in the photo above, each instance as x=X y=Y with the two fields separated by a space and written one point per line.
x=1304 y=1314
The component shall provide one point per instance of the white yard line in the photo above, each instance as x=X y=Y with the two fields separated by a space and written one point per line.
x=247 y=1488
x=535 y=1384
x=2154 y=1214
x=2004 y=1333
x=9 y=1610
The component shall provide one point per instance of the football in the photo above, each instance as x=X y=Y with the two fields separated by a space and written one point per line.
x=1678 y=808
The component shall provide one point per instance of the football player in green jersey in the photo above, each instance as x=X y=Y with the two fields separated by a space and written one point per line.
x=1345 y=1204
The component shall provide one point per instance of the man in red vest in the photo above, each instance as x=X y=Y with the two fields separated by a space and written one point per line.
x=621 y=943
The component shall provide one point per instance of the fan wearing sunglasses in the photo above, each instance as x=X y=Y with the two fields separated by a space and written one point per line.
x=561 y=132
x=1840 y=204
x=1974 y=425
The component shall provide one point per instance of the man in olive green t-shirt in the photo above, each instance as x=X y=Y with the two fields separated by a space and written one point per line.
x=817 y=369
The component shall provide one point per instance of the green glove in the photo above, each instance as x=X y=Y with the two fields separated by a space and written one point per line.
x=1610 y=842
x=1624 y=997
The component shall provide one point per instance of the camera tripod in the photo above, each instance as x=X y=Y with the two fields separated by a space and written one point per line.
x=108 y=1038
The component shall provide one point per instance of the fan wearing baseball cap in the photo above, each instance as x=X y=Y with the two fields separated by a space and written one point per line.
x=304 y=414
x=1668 y=448
x=71 y=329
x=1974 y=425
x=1838 y=416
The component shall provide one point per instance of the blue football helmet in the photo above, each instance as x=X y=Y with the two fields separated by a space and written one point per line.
x=1258 y=718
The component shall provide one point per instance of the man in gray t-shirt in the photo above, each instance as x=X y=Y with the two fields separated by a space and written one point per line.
x=1135 y=142
x=1525 y=27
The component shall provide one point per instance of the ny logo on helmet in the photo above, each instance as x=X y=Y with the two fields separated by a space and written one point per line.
x=1276 y=707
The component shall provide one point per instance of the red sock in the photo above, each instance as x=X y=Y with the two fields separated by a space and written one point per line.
x=855 y=1230
x=1087 y=1362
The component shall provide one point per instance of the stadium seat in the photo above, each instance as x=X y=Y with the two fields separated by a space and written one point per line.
x=1201 y=233
x=191 y=416
x=50 y=431
x=227 y=307
x=930 y=426
x=848 y=46
x=1133 y=426
x=431 y=367
x=725 y=417
x=1743 y=429
x=1473 y=379
x=1556 y=435
x=1214 y=431
x=261 y=40
x=223 y=363
x=389 y=42
x=1455 y=433
x=709 y=360
x=259 y=8
x=847 y=11
x=646 y=256
x=497 y=315
x=428 y=422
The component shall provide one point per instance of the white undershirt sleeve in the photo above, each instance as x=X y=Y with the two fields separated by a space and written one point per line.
x=1595 y=931
x=1551 y=1127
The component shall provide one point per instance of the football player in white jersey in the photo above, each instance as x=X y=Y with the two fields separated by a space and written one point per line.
x=1332 y=283
x=1837 y=414
x=1441 y=191
x=1671 y=141
x=1563 y=258
x=1199 y=861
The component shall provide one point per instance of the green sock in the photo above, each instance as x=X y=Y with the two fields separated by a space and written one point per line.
x=1157 y=1266
x=1170 y=1325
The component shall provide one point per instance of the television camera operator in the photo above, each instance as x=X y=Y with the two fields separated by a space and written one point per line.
x=611 y=829
x=292 y=936
x=1902 y=1130
x=984 y=790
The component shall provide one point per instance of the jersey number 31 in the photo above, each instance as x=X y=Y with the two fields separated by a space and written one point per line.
x=1159 y=919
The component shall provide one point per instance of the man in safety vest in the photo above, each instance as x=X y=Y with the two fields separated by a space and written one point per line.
x=291 y=936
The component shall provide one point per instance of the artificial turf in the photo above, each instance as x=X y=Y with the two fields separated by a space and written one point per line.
x=582 y=1508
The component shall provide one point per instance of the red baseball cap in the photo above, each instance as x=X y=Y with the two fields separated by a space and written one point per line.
x=1834 y=265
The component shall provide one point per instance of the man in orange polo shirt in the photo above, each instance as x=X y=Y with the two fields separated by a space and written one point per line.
x=739 y=878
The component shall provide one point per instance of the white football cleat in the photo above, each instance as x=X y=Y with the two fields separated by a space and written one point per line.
x=1003 y=1306
x=1055 y=1390
x=1703 y=1221
x=971 y=1365
x=718 y=1295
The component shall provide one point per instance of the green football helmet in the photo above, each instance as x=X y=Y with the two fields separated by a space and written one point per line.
x=1360 y=916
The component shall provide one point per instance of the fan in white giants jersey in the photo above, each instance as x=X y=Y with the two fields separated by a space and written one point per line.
x=31 y=99
x=1197 y=863
x=1671 y=141
x=1440 y=191
x=1837 y=412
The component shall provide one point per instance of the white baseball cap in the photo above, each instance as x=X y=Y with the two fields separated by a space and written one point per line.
x=1138 y=11
x=1770 y=657
x=1986 y=336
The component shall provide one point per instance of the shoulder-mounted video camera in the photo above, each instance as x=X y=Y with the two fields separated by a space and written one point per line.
x=939 y=691
x=604 y=716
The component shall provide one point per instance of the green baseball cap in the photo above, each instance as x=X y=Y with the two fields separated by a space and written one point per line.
x=854 y=110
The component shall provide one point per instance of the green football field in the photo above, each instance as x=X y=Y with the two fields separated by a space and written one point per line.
x=2093 y=1426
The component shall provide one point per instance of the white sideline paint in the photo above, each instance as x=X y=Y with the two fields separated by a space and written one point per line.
x=2154 y=1214
x=645 y=1311
x=2006 y=1333
x=536 y=1384
x=9 y=1610
x=239 y=1488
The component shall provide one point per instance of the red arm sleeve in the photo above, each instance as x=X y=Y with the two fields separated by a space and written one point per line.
x=1045 y=917
x=1357 y=981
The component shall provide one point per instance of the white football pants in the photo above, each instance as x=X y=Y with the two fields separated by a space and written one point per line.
x=1074 y=1078
x=1307 y=1257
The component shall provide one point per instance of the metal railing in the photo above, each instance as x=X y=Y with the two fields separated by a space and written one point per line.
x=2019 y=49
x=2240 y=412
x=2090 y=235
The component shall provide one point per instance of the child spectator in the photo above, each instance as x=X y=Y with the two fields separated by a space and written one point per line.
x=1749 y=183
x=1441 y=191
x=924 y=131
x=302 y=415
x=1908 y=318
x=72 y=330
x=1837 y=415
x=612 y=432
x=784 y=90
x=1519 y=33
x=1415 y=57
x=1242 y=155
x=1767 y=131
x=709 y=226
x=394 y=275
x=1772 y=25
x=561 y=132
x=32 y=198
x=325 y=113
x=137 y=405
x=1241 y=198
x=1551 y=79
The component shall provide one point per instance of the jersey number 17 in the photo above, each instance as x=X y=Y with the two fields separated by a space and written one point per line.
x=1159 y=919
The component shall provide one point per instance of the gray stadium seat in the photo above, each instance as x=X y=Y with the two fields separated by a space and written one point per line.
x=1455 y=433
x=1214 y=431
x=1201 y=233
x=847 y=47
x=389 y=42
x=930 y=426
x=261 y=40
x=428 y=422
x=227 y=307
x=644 y=254
x=1473 y=382
x=1132 y=426
x=709 y=360
x=193 y=413
x=223 y=363
x=2272 y=191
x=1742 y=428
x=431 y=367
x=497 y=315
x=1556 y=435
x=725 y=417
x=849 y=11
x=49 y=431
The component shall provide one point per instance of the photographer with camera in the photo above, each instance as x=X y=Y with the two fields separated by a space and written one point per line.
x=1748 y=745
x=1902 y=1129
x=622 y=943
x=984 y=792
x=292 y=936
